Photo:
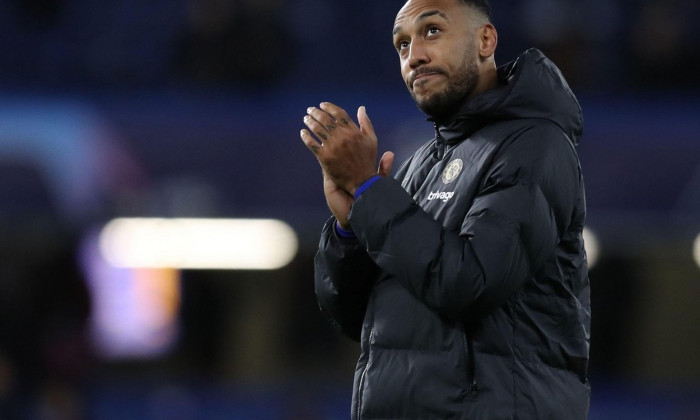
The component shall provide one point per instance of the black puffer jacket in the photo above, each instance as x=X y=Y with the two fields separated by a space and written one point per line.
x=467 y=284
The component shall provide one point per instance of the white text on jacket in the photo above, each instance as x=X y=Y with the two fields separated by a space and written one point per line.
x=439 y=195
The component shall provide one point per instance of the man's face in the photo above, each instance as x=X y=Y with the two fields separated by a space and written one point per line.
x=437 y=45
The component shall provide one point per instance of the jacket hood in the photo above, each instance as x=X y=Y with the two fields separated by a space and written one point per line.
x=529 y=87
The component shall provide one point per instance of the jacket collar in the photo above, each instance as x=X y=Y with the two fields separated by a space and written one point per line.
x=529 y=87
x=473 y=115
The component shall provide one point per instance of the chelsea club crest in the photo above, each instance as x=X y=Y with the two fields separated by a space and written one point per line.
x=452 y=171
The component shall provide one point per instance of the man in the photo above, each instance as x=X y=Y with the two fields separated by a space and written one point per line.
x=464 y=277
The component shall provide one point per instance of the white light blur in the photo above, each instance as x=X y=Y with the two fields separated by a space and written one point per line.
x=592 y=247
x=696 y=250
x=190 y=243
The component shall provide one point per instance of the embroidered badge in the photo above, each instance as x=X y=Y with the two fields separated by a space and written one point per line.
x=452 y=171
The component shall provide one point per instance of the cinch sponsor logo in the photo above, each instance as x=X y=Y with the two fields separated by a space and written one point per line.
x=442 y=196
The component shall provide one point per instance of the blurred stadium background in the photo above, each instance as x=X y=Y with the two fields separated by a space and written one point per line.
x=191 y=109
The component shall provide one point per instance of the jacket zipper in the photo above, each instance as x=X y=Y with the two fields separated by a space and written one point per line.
x=360 y=386
x=471 y=365
x=440 y=142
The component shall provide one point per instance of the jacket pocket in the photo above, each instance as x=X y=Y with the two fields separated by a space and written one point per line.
x=470 y=363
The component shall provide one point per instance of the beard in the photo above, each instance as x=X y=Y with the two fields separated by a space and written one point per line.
x=447 y=101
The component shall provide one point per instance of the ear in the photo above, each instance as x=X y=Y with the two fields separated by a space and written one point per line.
x=488 y=41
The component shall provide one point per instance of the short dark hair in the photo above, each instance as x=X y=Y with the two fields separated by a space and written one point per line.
x=483 y=6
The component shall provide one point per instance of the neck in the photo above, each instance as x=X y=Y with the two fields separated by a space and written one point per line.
x=487 y=81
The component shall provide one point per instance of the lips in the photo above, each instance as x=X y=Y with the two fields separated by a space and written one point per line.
x=423 y=74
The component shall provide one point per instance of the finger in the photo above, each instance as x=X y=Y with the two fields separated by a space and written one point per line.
x=339 y=115
x=310 y=141
x=325 y=119
x=385 y=164
x=365 y=124
x=316 y=128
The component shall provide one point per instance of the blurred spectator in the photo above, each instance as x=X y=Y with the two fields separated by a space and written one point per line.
x=233 y=42
x=44 y=304
x=39 y=13
x=664 y=47
x=577 y=36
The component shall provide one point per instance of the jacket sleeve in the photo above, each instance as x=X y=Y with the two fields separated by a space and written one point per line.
x=344 y=275
x=505 y=237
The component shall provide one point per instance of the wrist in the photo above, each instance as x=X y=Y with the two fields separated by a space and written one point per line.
x=365 y=185
x=344 y=232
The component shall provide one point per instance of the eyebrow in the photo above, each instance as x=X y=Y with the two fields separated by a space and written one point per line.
x=421 y=17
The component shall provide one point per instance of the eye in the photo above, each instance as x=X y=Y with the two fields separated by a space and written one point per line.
x=402 y=45
x=433 y=30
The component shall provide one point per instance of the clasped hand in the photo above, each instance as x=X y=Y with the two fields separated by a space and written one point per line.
x=346 y=152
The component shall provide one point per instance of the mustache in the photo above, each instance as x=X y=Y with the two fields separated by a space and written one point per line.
x=421 y=71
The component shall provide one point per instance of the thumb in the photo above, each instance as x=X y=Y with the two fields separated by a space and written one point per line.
x=366 y=126
x=385 y=164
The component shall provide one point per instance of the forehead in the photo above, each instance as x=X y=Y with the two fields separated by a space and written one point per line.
x=415 y=10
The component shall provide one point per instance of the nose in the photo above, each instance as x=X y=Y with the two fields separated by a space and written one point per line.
x=418 y=54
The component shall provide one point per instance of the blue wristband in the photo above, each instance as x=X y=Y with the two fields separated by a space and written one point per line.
x=342 y=232
x=362 y=188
